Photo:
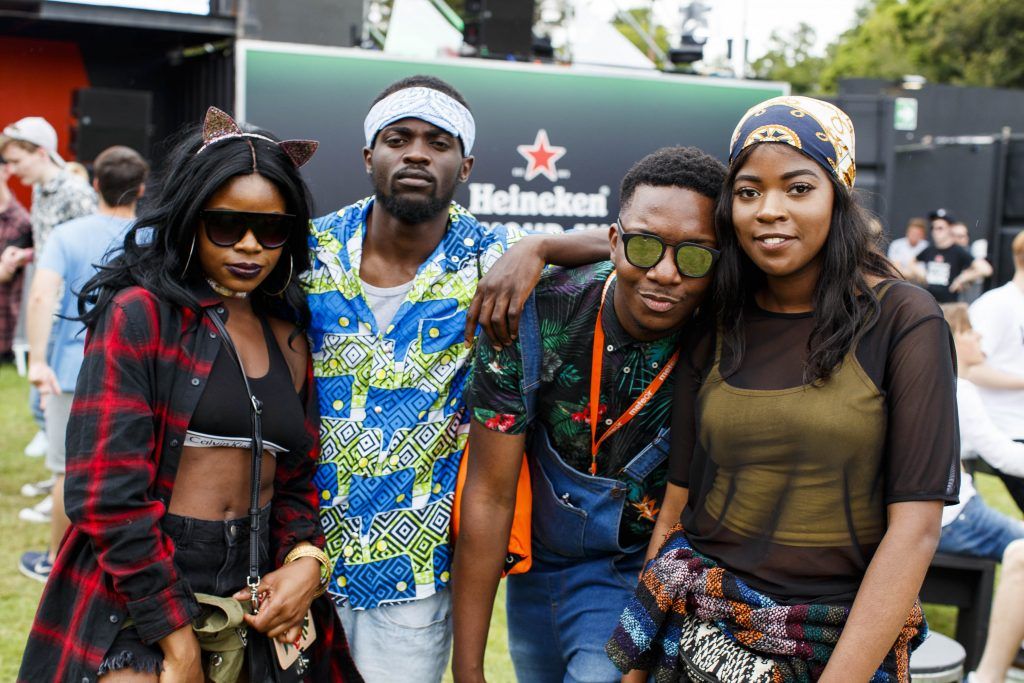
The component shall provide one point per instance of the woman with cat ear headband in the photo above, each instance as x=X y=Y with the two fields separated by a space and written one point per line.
x=194 y=434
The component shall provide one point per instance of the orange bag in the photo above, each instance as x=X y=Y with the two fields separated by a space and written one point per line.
x=518 y=559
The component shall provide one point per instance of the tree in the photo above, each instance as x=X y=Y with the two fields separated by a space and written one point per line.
x=643 y=17
x=961 y=42
x=979 y=42
x=789 y=59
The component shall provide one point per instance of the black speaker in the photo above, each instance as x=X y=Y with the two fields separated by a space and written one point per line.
x=337 y=23
x=22 y=5
x=108 y=117
x=499 y=28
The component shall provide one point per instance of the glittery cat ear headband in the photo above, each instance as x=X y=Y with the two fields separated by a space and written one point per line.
x=219 y=126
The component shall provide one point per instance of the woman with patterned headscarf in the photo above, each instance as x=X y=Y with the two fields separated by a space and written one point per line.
x=823 y=443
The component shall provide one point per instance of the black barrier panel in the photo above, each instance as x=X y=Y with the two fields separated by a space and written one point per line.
x=1013 y=199
x=960 y=178
x=1002 y=256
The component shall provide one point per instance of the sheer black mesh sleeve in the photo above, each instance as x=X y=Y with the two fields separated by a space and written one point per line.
x=695 y=356
x=922 y=443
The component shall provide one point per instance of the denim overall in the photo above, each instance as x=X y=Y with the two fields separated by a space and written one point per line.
x=561 y=612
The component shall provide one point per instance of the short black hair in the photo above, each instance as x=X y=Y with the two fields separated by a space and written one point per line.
x=422 y=81
x=120 y=172
x=686 y=167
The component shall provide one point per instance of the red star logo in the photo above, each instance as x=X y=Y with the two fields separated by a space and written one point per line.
x=541 y=157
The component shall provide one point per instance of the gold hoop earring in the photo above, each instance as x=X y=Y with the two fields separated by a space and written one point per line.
x=188 y=261
x=291 y=267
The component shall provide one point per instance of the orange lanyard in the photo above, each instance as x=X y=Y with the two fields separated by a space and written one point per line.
x=597 y=361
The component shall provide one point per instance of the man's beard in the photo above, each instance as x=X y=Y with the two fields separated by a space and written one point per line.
x=413 y=210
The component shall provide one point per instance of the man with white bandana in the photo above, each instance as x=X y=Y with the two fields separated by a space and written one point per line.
x=391 y=292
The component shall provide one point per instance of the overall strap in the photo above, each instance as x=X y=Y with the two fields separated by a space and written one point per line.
x=256 y=411
x=531 y=348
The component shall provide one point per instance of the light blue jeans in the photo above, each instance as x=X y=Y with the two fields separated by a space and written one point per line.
x=980 y=531
x=408 y=641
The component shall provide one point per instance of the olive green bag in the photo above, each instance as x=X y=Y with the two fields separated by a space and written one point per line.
x=222 y=635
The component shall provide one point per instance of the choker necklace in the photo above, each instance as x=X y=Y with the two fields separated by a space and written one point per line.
x=224 y=291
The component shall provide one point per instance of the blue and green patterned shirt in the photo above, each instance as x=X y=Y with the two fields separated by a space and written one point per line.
x=392 y=417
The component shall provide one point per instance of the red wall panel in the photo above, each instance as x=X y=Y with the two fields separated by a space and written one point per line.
x=37 y=78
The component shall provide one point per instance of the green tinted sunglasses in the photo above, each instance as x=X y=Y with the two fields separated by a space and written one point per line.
x=644 y=250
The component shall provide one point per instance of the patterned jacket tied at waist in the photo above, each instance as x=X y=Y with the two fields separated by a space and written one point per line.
x=799 y=639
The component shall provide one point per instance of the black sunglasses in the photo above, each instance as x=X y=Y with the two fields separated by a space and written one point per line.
x=226 y=228
x=644 y=250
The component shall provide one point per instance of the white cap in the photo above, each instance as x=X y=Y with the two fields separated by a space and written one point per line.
x=35 y=130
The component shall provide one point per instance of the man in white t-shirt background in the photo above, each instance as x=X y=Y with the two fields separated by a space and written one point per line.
x=999 y=316
x=903 y=251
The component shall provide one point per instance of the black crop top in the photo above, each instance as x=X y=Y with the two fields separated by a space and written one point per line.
x=222 y=417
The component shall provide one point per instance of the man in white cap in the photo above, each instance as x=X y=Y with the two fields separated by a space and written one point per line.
x=29 y=149
x=29 y=146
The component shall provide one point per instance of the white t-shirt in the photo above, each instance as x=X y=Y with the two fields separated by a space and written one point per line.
x=385 y=301
x=979 y=437
x=999 y=316
x=900 y=251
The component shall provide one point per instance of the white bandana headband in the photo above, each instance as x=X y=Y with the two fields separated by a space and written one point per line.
x=426 y=104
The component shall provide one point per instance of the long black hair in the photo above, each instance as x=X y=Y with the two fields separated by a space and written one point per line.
x=159 y=251
x=845 y=305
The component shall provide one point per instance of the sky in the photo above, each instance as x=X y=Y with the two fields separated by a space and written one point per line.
x=756 y=18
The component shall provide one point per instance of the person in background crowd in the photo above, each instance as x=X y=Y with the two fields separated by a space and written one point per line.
x=961 y=235
x=973 y=528
x=56 y=341
x=29 y=146
x=979 y=250
x=390 y=292
x=15 y=238
x=903 y=251
x=945 y=267
x=998 y=316
x=77 y=169
x=627 y=317
x=813 y=462
x=160 y=453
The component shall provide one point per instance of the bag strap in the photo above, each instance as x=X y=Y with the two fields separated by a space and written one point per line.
x=256 y=412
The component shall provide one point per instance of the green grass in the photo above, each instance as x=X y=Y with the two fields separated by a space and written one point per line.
x=19 y=595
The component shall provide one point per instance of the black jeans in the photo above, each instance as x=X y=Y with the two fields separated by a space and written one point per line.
x=214 y=558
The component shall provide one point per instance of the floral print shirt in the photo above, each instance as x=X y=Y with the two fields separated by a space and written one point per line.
x=58 y=201
x=567 y=305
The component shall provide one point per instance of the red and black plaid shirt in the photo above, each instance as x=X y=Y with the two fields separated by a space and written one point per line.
x=146 y=365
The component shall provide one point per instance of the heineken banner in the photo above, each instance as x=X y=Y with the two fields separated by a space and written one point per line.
x=552 y=142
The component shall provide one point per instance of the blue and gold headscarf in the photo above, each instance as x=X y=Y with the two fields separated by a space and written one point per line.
x=820 y=130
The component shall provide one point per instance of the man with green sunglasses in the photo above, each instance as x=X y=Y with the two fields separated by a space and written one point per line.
x=607 y=338
x=645 y=250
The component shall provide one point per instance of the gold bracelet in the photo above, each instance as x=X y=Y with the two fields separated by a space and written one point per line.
x=310 y=550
